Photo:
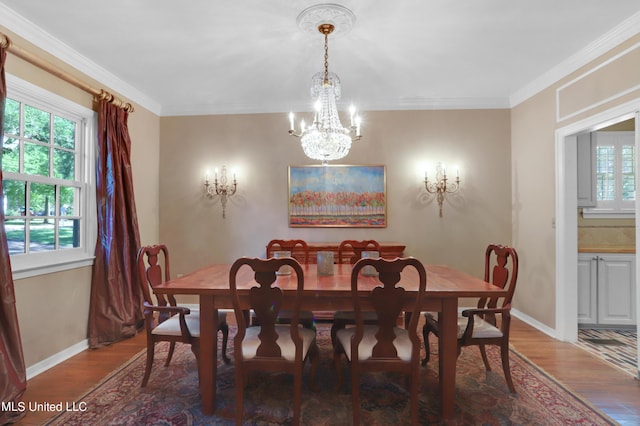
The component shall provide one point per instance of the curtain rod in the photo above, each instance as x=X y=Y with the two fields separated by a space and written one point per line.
x=99 y=94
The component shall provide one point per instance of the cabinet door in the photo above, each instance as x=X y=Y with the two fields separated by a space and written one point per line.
x=587 y=289
x=586 y=171
x=616 y=290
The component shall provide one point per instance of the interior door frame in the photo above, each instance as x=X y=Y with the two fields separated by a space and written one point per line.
x=566 y=217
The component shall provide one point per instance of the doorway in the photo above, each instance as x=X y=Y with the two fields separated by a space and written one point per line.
x=566 y=216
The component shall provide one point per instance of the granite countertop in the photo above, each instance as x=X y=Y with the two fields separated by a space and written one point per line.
x=607 y=249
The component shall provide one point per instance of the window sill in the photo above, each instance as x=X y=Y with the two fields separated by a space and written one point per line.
x=23 y=267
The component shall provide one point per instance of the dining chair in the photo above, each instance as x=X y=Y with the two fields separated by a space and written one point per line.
x=289 y=245
x=165 y=321
x=383 y=346
x=350 y=251
x=480 y=326
x=307 y=318
x=271 y=346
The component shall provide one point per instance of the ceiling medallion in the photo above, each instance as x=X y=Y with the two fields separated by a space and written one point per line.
x=339 y=16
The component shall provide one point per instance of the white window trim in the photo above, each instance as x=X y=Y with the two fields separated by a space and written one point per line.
x=621 y=209
x=33 y=264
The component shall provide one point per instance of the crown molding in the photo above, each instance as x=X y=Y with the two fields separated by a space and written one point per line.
x=619 y=34
x=379 y=105
x=40 y=38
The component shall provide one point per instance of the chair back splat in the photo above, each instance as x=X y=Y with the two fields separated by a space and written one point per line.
x=343 y=318
x=307 y=318
x=489 y=323
x=271 y=346
x=289 y=245
x=357 y=247
x=383 y=346
x=165 y=321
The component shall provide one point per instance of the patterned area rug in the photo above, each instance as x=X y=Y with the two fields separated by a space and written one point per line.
x=617 y=347
x=172 y=397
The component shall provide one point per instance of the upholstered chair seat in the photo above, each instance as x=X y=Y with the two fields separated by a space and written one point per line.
x=251 y=341
x=402 y=342
x=481 y=328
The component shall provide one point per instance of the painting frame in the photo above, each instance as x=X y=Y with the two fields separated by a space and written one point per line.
x=337 y=196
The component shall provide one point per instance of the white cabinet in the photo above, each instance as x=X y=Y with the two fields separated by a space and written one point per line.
x=587 y=288
x=606 y=289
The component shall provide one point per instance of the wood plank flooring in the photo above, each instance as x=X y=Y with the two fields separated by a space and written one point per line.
x=604 y=386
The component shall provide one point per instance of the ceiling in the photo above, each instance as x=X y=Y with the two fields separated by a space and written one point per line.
x=220 y=57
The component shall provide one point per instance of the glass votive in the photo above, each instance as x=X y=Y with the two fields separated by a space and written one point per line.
x=325 y=263
x=285 y=269
x=370 y=270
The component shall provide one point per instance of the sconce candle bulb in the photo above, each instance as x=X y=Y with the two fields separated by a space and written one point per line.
x=221 y=189
x=441 y=185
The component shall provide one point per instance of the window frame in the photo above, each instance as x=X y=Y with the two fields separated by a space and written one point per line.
x=39 y=263
x=617 y=208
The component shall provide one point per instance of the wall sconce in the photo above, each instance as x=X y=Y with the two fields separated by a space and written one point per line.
x=220 y=189
x=441 y=185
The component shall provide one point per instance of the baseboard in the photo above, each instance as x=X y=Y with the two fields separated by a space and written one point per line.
x=534 y=323
x=56 y=359
x=61 y=356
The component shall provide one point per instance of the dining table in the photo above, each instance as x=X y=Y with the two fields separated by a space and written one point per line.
x=445 y=286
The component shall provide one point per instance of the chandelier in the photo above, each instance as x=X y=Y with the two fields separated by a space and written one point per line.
x=325 y=138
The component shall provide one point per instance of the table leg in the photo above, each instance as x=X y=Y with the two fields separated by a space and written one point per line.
x=208 y=357
x=448 y=354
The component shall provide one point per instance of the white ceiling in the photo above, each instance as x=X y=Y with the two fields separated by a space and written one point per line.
x=218 y=57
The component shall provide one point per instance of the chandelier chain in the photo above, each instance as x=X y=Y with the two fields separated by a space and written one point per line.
x=326 y=58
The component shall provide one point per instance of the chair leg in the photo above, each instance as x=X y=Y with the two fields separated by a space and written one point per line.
x=314 y=356
x=337 y=363
x=297 y=395
x=147 y=368
x=504 y=352
x=483 y=353
x=224 y=328
x=355 y=395
x=414 y=390
x=337 y=325
x=172 y=347
x=425 y=336
x=240 y=383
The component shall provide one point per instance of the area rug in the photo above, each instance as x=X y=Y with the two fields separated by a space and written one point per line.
x=618 y=347
x=482 y=398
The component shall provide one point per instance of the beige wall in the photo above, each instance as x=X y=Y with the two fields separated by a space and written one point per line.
x=53 y=309
x=507 y=196
x=259 y=146
x=533 y=126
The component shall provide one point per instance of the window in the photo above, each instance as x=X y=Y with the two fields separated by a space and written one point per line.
x=47 y=166
x=615 y=174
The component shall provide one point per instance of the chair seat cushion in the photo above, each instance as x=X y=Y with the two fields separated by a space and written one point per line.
x=251 y=341
x=171 y=327
x=402 y=343
x=481 y=328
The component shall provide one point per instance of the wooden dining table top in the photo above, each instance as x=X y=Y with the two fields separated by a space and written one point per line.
x=442 y=281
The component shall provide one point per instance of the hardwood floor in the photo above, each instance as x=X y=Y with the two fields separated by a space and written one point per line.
x=612 y=391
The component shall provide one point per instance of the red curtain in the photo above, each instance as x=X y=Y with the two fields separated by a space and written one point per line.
x=116 y=296
x=13 y=377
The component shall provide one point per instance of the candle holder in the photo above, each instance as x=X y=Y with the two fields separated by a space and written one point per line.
x=441 y=185
x=221 y=189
